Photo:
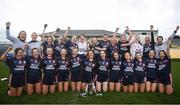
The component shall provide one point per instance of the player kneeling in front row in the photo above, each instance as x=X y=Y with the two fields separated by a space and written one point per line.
x=116 y=73
x=88 y=75
x=128 y=73
x=34 y=72
x=164 y=74
x=49 y=72
x=17 y=66
x=63 y=70
x=75 y=70
x=102 y=73
x=139 y=73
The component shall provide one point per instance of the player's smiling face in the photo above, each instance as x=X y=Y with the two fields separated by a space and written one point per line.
x=123 y=38
x=20 y=54
x=127 y=56
x=49 y=51
x=50 y=40
x=75 y=52
x=161 y=54
x=105 y=38
x=34 y=36
x=151 y=54
x=103 y=55
x=94 y=40
x=116 y=56
x=74 y=39
x=63 y=52
x=81 y=38
x=159 y=40
x=90 y=55
x=22 y=35
x=147 y=39
x=35 y=53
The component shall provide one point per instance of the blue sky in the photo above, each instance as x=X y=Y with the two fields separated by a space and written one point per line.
x=30 y=15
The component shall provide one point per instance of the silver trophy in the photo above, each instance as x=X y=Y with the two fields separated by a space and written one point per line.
x=90 y=89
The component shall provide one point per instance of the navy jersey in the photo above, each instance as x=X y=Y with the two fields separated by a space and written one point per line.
x=111 y=49
x=123 y=49
x=115 y=65
x=148 y=47
x=17 y=66
x=62 y=64
x=164 y=66
x=71 y=45
x=33 y=66
x=151 y=68
x=115 y=71
x=90 y=66
x=89 y=71
x=58 y=47
x=49 y=65
x=104 y=44
x=103 y=66
x=75 y=64
x=128 y=68
x=93 y=48
x=45 y=46
x=139 y=66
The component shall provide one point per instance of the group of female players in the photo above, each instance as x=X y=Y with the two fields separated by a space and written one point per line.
x=112 y=65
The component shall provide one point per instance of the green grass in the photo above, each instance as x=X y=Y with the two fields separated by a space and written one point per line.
x=107 y=98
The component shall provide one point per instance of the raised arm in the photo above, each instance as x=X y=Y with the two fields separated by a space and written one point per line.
x=174 y=33
x=43 y=36
x=130 y=33
x=8 y=36
x=3 y=57
x=168 y=42
x=152 y=36
x=66 y=32
x=132 y=40
x=115 y=33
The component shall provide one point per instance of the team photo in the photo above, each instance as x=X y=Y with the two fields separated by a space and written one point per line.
x=135 y=63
